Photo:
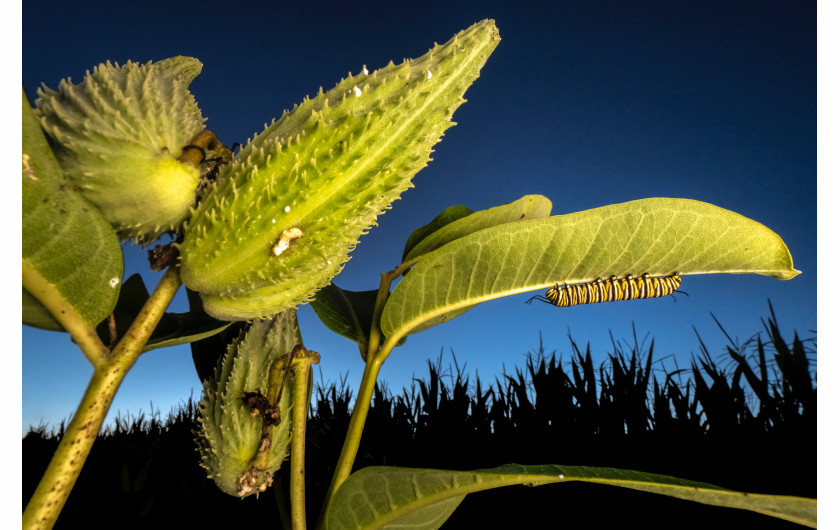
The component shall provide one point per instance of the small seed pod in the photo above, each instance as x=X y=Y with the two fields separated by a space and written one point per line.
x=281 y=219
x=118 y=134
x=245 y=413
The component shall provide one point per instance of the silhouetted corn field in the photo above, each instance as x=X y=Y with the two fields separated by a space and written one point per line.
x=745 y=420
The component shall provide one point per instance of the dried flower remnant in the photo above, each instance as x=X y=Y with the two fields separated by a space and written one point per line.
x=286 y=239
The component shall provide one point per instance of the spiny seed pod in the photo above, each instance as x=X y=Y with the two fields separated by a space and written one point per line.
x=117 y=135
x=283 y=217
x=244 y=429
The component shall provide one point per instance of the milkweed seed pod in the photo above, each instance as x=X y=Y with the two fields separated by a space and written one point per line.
x=118 y=134
x=242 y=437
x=283 y=217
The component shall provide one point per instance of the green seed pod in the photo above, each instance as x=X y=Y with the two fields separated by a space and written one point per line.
x=244 y=429
x=283 y=217
x=118 y=134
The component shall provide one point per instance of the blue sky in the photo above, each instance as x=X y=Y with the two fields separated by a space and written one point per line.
x=587 y=103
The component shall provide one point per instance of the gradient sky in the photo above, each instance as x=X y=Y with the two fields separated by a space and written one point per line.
x=588 y=103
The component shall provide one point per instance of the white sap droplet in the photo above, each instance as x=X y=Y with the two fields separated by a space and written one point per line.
x=364 y=70
x=357 y=91
x=274 y=221
x=429 y=74
x=561 y=477
x=114 y=282
x=287 y=209
x=329 y=262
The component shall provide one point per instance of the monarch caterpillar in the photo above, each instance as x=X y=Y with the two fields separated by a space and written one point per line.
x=628 y=288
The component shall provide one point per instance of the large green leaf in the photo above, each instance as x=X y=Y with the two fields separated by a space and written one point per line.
x=72 y=260
x=393 y=497
x=658 y=236
x=348 y=313
x=446 y=227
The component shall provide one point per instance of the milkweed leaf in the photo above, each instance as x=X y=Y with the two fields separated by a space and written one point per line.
x=71 y=256
x=659 y=236
x=528 y=207
x=393 y=497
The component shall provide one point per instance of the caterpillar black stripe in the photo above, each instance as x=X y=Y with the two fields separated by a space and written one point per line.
x=611 y=290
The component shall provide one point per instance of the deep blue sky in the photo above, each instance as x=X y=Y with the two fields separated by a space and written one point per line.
x=588 y=103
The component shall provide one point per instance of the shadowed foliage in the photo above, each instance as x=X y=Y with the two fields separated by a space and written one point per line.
x=736 y=421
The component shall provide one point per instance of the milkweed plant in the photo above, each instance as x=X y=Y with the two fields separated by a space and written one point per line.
x=258 y=231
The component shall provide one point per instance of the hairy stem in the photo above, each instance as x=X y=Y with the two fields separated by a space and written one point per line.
x=58 y=480
x=82 y=333
x=302 y=361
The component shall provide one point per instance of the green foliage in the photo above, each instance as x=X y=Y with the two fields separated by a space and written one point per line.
x=71 y=257
x=453 y=224
x=325 y=170
x=449 y=225
x=36 y=315
x=173 y=329
x=384 y=497
x=348 y=313
x=453 y=213
x=658 y=236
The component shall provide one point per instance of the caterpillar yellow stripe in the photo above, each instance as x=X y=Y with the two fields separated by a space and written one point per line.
x=611 y=290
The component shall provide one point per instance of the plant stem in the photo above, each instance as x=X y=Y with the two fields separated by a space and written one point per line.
x=64 y=468
x=82 y=333
x=357 y=423
x=302 y=360
x=385 y=280
x=374 y=358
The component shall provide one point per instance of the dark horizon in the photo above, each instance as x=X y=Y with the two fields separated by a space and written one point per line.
x=444 y=422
